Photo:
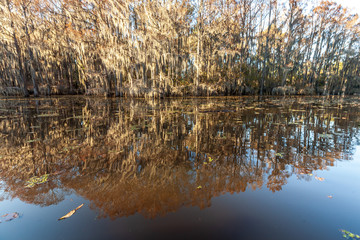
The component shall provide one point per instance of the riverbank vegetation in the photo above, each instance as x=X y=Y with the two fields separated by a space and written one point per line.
x=176 y=48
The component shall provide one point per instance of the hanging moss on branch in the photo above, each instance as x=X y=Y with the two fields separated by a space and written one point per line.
x=158 y=48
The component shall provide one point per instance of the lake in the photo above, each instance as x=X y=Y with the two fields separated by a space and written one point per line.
x=197 y=168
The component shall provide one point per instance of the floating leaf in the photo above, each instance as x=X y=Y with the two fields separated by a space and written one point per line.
x=48 y=115
x=37 y=180
x=199 y=187
x=8 y=217
x=325 y=135
x=134 y=128
x=348 y=234
x=69 y=214
x=320 y=179
x=34 y=140
x=74 y=117
x=330 y=196
x=210 y=159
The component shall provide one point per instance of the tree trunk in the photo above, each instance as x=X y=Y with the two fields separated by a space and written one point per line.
x=19 y=55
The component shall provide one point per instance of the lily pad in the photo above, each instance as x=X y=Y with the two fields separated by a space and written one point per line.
x=37 y=180
x=349 y=235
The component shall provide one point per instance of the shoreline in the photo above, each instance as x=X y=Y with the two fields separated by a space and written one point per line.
x=179 y=91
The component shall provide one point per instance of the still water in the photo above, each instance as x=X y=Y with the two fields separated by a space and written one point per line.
x=218 y=168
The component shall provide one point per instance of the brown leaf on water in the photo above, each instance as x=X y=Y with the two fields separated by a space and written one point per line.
x=69 y=214
x=330 y=196
x=8 y=217
x=320 y=178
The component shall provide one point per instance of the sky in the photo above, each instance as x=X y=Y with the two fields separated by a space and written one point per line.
x=353 y=5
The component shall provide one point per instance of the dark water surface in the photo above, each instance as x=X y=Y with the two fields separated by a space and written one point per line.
x=235 y=168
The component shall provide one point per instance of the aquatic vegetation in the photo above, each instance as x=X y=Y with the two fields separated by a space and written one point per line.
x=36 y=180
x=349 y=235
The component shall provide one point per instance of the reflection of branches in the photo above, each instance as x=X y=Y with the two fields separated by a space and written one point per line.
x=277 y=179
x=134 y=156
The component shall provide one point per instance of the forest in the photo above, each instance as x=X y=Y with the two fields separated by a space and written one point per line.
x=156 y=48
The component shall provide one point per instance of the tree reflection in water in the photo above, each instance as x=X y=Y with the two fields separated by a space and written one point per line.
x=129 y=156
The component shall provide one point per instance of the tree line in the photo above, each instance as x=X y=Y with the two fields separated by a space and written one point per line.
x=155 y=48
